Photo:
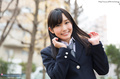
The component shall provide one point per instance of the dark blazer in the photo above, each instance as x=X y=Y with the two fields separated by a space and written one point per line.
x=65 y=66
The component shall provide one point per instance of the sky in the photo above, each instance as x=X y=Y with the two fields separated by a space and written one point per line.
x=111 y=8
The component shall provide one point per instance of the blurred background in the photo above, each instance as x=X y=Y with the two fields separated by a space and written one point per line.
x=23 y=33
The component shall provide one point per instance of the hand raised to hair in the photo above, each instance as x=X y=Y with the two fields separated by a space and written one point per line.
x=94 y=38
x=58 y=44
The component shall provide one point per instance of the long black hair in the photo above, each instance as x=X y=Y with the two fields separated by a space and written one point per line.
x=54 y=18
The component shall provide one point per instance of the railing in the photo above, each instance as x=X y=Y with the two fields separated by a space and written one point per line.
x=10 y=76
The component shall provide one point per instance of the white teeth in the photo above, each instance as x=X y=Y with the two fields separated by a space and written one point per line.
x=65 y=33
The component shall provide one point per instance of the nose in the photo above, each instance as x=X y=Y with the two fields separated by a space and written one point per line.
x=64 y=28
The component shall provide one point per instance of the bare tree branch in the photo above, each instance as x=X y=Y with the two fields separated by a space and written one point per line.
x=4 y=36
x=35 y=22
x=67 y=5
x=6 y=8
x=13 y=37
x=43 y=36
x=27 y=16
x=80 y=10
x=5 y=29
x=10 y=23
x=0 y=8
x=21 y=27
x=32 y=44
x=77 y=11
x=14 y=18
x=22 y=42
x=25 y=43
x=39 y=22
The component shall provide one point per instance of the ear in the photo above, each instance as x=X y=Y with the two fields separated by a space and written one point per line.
x=51 y=30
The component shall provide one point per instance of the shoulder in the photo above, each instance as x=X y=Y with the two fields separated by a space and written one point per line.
x=46 y=50
x=46 y=53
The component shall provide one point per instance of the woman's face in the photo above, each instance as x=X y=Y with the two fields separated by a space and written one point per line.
x=63 y=30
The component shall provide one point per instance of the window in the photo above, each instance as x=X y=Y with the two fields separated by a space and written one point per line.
x=24 y=52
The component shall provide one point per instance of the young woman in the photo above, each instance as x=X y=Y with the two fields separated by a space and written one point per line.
x=79 y=62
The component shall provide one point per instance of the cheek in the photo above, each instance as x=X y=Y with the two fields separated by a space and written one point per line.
x=57 y=32
x=70 y=27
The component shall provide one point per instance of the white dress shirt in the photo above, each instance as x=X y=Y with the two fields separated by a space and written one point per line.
x=70 y=43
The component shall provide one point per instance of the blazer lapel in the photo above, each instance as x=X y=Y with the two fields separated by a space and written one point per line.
x=73 y=58
x=79 y=50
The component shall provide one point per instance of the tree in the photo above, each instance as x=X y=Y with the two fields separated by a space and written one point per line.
x=24 y=67
x=37 y=20
x=33 y=39
x=3 y=67
x=77 y=11
x=114 y=57
x=67 y=5
x=10 y=21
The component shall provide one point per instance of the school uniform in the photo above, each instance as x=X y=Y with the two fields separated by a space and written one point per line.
x=82 y=66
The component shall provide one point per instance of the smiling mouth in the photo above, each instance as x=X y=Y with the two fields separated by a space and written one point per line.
x=65 y=33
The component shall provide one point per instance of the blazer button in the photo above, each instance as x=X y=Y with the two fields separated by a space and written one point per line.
x=78 y=67
x=66 y=53
x=65 y=56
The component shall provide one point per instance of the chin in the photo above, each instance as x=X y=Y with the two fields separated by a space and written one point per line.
x=66 y=38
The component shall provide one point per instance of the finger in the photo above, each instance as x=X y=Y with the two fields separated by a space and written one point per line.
x=90 y=35
x=96 y=34
x=55 y=39
x=93 y=33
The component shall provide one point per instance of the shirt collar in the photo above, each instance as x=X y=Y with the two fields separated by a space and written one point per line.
x=69 y=42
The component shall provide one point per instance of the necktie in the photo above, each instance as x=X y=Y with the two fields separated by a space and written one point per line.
x=71 y=47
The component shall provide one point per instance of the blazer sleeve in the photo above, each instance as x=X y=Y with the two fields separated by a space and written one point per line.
x=56 y=68
x=100 y=61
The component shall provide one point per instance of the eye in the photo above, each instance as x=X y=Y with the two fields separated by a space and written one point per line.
x=57 y=25
x=66 y=22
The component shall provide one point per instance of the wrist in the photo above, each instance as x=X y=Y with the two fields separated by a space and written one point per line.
x=96 y=43
x=64 y=46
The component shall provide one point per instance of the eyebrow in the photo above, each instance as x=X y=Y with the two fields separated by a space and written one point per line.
x=66 y=20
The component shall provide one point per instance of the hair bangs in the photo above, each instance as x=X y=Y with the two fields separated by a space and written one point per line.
x=56 y=18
